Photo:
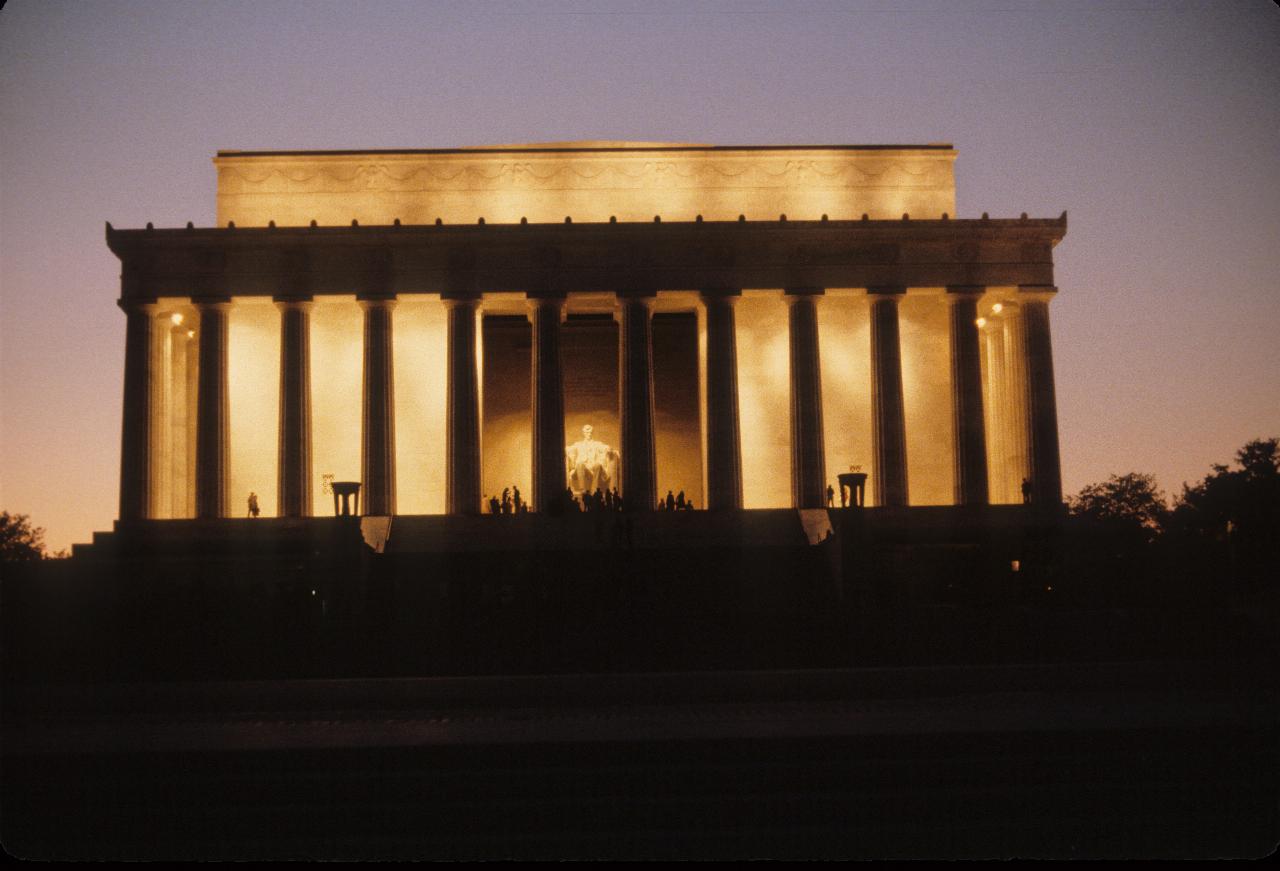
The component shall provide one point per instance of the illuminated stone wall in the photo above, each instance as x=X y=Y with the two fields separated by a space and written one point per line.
x=253 y=381
x=677 y=410
x=337 y=336
x=507 y=436
x=589 y=347
x=589 y=181
x=764 y=399
x=419 y=338
x=844 y=338
x=924 y=327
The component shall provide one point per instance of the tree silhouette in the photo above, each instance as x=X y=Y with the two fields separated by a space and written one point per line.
x=1129 y=504
x=1232 y=517
x=19 y=540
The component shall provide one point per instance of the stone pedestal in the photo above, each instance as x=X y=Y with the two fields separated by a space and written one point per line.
x=888 y=434
x=462 y=411
x=378 y=442
x=808 y=454
x=968 y=427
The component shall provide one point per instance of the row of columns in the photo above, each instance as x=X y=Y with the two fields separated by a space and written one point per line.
x=723 y=453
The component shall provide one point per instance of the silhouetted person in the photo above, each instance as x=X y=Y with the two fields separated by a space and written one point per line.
x=495 y=507
x=570 y=502
x=515 y=497
x=253 y=504
x=1026 y=491
x=831 y=497
x=680 y=503
x=671 y=501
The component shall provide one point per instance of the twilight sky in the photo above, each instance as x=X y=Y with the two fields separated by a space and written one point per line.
x=1155 y=125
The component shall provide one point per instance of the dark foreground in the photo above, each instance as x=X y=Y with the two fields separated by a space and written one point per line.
x=1079 y=760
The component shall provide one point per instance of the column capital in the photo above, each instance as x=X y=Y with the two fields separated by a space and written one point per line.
x=728 y=295
x=376 y=300
x=452 y=299
x=536 y=302
x=211 y=303
x=958 y=292
x=636 y=294
x=302 y=302
x=1037 y=292
x=793 y=293
x=545 y=295
x=889 y=291
x=146 y=305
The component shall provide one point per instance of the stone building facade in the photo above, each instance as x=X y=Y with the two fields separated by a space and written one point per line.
x=739 y=323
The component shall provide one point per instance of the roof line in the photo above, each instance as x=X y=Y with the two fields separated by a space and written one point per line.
x=560 y=149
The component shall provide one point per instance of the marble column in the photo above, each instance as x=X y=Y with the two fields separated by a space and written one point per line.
x=161 y=411
x=294 y=476
x=967 y=425
x=212 y=410
x=1013 y=387
x=993 y=332
x=724 y=442
x=462 y=411
x=808 y=453
x=546 y=312
x=1044 y=469
x=137 y=473
x=378 y=442
x=635 y=370
x=888 y=416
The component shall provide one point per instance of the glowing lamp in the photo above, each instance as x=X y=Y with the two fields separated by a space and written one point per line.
x=997 y=308
x=176 y=318
x=981 y=322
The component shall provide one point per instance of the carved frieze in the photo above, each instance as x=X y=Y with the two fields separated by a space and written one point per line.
x=397 y=177
x=587 y=184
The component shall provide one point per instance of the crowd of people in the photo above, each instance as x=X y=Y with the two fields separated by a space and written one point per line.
x=570 y=502
x=675 y=502
x=510 y=503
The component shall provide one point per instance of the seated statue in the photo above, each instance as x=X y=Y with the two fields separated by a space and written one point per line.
x=590 y=465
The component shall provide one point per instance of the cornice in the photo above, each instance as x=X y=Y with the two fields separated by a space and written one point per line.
x=129 y=241
x=585 y=257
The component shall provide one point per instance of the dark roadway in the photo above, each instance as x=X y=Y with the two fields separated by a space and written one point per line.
x=1082 y=760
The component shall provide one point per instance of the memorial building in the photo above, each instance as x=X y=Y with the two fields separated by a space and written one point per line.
x=739 y=324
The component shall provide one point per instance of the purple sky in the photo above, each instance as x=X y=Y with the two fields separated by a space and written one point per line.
x=1155 y=125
